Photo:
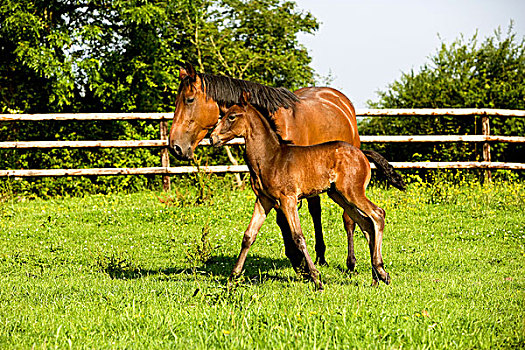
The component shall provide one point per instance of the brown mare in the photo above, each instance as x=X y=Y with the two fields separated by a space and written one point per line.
x=283 y=174
x=309 y=116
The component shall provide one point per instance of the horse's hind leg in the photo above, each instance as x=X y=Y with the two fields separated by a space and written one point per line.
x=314 y=207
x=349 y=228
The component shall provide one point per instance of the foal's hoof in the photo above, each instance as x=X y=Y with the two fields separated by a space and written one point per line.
x=377 y=276
x=315 y=277
x=387 y=279
x=235 y=277
x=318 y=286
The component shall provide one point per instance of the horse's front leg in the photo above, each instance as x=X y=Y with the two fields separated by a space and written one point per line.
x=261 y=209
x=289 y=209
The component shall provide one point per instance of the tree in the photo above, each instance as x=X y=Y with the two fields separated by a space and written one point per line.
x=257 y=40
x=124 y=55
x=464 y=74
x=116 y=55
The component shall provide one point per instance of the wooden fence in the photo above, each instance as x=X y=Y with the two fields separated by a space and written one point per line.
x=165 y=169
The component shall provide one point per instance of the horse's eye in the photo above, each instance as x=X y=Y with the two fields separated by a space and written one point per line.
x=190 y=100
x=231 y=117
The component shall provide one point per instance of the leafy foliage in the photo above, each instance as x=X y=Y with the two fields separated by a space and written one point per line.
x=116 y=55
x=123 y=56
x=464 y=74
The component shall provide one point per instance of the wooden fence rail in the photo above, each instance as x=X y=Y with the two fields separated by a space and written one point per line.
x=162 y=143
x=236 y=169
x=359 y=112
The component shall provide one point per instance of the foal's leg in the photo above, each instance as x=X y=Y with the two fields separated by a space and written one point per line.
x=314 y=207
x=349 y=228
x=290 y=249
x=262 y=207
x=378 y=270
x=371 y=219
x=373 y=224
x=289 y=208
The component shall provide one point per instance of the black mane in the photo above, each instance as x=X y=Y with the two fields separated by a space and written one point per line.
x=227 y=91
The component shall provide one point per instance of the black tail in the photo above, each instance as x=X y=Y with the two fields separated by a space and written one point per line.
x=392 y=176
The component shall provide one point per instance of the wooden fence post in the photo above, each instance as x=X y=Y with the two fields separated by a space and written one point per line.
x=485 y=130
x=164 y=155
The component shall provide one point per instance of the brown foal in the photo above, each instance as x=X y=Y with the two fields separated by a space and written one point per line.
x=282 y=174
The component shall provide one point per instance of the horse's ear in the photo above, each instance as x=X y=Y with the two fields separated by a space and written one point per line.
x=245 y=98
x=183 y=73
x=189 y=71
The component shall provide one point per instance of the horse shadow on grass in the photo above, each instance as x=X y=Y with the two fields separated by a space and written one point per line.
x=257 y=269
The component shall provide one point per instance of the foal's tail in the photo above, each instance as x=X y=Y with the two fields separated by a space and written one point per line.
x=392 y=176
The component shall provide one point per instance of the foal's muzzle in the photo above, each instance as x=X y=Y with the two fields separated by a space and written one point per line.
x=215 y=141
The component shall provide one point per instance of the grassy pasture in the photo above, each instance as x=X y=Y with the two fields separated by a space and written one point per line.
x=132 y=271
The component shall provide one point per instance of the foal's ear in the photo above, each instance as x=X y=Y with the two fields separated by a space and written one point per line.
x=245 y=98
x=189 y=71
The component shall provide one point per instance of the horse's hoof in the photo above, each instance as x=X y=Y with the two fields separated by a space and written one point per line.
x=352 y=273
x=305 y=275
x=301 y=268
x=350 y=265
x=321 y=262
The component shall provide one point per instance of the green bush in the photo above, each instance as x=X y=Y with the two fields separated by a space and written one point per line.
x=464 y=74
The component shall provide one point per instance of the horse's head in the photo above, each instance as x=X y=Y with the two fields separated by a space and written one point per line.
x=233 y=124
x=194 y=115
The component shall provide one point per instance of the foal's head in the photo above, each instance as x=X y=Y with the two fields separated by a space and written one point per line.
x=234 y=123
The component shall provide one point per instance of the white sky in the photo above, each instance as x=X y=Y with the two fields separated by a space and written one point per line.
x=367 y=44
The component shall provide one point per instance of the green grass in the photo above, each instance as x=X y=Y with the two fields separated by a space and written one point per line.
x=128 y=271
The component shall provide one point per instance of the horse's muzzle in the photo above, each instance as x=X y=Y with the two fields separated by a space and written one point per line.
x=179 y=153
